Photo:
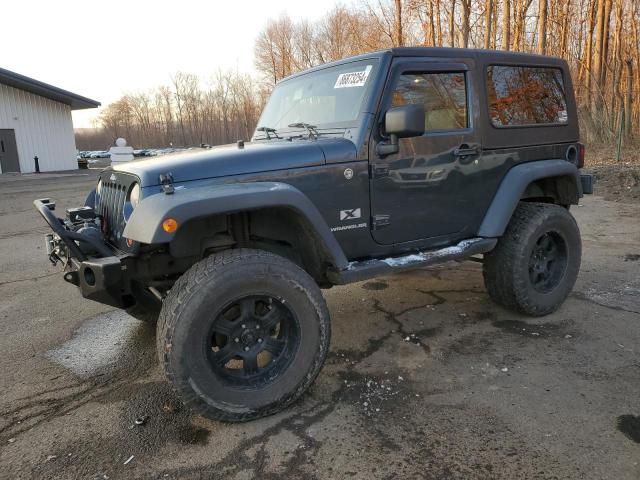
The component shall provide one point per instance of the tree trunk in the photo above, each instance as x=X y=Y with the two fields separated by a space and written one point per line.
x=617 y=65
x=599 y=56
x=506 y=24
x=542 y=27
x=438 y=23
x=520 y=15
x=606 y=35
x=432 y=24
x=635 y=51
x=588 y=61
x=628 y=101
x=452 y=24
x=565 y=28
x=399 y=36
x=465 y=27
x=488 y=14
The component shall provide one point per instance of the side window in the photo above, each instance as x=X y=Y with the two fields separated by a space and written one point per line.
x=444 y=96
x=521 y=96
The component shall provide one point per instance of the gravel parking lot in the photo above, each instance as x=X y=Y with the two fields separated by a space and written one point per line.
x=426 y=378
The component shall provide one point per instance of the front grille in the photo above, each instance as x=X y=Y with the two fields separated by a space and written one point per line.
x=110 y=204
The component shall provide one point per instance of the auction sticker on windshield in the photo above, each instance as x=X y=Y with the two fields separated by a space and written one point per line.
x=353 y=79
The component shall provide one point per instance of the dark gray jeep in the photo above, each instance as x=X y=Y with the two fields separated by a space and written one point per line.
x=371 y=165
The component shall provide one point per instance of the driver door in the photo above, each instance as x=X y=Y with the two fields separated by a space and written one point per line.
x=419 y=193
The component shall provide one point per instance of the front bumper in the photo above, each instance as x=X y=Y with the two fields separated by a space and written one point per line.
x=102 y=278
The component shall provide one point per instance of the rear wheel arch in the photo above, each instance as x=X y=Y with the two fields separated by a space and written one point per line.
x=560 y=189
x=545 y=181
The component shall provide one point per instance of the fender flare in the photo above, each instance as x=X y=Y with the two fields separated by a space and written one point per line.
x=145 y=223
x=513 y=186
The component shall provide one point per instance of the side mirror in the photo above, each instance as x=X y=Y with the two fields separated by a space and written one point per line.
x=401 y=122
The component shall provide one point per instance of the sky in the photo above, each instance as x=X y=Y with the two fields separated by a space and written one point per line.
x=102 y=49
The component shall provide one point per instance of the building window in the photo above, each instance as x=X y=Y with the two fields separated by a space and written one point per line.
x=444 y=96
x=521 y=96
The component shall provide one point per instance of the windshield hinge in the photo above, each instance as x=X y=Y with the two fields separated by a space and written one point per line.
x=166 y=181
x=379 y=221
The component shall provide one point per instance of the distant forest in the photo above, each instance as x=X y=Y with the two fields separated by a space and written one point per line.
x=599 y=39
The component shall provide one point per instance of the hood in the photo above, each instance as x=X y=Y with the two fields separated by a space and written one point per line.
x=228 y=160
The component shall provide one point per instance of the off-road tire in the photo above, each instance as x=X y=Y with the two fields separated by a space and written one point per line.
x=507 y=269
x=191 y=307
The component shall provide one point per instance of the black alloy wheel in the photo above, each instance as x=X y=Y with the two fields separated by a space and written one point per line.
x=252 y=341
x=548 y=262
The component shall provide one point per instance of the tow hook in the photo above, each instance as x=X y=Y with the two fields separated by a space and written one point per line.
x=72 y=277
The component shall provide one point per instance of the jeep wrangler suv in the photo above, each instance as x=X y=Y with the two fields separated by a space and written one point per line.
x=371 y=165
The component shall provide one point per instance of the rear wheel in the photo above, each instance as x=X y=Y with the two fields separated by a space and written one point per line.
x=243 y=334
x=536 y=262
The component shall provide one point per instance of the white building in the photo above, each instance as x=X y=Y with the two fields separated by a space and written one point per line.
x=35 y=120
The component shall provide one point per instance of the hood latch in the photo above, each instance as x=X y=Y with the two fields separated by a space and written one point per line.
x=166 y=181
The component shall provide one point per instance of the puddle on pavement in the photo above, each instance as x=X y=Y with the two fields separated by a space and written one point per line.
x=377 y=285
x=518 y=327
x=100 y=344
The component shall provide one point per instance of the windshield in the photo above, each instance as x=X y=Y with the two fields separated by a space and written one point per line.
x=325 y=98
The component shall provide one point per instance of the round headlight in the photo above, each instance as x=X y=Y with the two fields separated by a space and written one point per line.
x=134 y=195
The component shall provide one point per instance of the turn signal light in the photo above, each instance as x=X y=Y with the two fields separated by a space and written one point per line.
x=170 y=225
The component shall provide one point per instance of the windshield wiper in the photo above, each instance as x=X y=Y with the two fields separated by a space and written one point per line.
x=268 y=131
x=313 y=132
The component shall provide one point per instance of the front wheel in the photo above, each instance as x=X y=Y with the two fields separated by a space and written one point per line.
x=243 y=334
x=536 y=262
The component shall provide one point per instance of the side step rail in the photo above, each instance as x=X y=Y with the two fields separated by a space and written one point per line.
x=365 y=269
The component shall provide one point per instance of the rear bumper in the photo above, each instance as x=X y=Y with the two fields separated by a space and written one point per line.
x=100 y=278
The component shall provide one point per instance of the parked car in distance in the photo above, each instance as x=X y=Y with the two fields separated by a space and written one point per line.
x=367 y=166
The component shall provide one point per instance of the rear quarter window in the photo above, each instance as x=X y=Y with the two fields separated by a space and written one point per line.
x=521 y=96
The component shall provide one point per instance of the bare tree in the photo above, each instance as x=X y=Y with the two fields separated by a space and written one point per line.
x=452 y=24
x=488 y=21
x=399 y=35
x=542 y=27
x=600 y=39
x=506 y=24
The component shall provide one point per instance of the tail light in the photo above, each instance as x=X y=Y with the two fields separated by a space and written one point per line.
x=581 y=153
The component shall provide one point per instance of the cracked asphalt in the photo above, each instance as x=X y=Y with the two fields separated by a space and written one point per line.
x=426 y=377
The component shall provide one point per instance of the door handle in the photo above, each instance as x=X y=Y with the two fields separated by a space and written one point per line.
x=466 y=150
x=380 y=170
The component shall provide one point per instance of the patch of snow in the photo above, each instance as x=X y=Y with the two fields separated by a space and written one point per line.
x=97 y=344
x=417 y=257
